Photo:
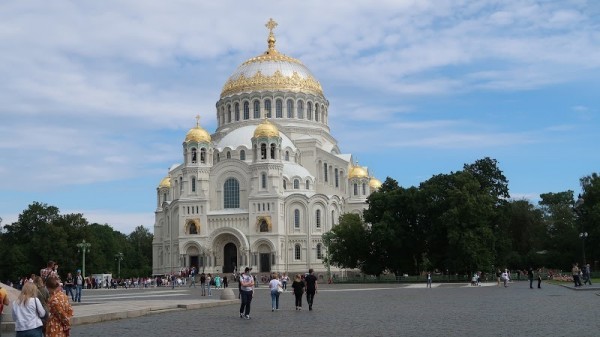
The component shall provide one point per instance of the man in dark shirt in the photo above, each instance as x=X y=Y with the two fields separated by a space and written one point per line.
x=311 y=287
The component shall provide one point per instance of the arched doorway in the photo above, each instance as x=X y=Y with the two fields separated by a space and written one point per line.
x=229 y=257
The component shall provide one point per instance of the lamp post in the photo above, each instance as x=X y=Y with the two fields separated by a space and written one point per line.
x=84 y=247
x=582 y=235
x=119 y=258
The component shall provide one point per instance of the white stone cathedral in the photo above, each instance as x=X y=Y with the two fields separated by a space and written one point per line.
x=263 y=189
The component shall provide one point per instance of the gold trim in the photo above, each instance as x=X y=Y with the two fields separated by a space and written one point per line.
x=275 y=82
x=267 y=219
x=188 y=223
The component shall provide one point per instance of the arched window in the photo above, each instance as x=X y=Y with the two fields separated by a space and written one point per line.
x=308 y=184
x=222 y=119
x=180 y=184
x=268 y=107
x=193 y=184
x=193 y=228
x=203 y=156
x=272 y=150
x=278 y=108
x=319 y=251
x=290 y=108
x=231 y=193
x=263 y=151
x=284 y=184
x=237 y=111
x=194 y=155
x=296 y=184
x=228 y=154
x=264 y=227
x=296 y=218
x=325 y=171
x=355 y=189
x=242 y=155
x=317 y=112
x=297 y=252
x=287 y=155
x=332 y=218
x=256 y=109
x=337 y=178
x=263 y=180
x=228 y=113
x=318 y=218
x=300 y=110
x=309 y=110
x=364 y=188
x=246 y=110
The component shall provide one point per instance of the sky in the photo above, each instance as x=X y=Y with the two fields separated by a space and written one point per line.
x=96 y=96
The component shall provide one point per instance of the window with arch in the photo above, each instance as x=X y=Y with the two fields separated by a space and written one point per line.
x=264 y=227
x=180 y=184
x=194 y=155
x=203 y=155
x=268 y=107
x=300 y=110
x=325 y=171
x=318 y=218
x=246 y=110
x=263 y=151
x=290 y=108
x=284 y=184
x=193 y=228
x=364 y=188
x=263 y=180
x=355 y=189
x=193 y=184
x=222 y=120
x=297 y=252
x=309 y=111
x=332 y=218
x=242 y=155
x=296 y=218
x=287 y=155
x=308 y=184
x=228 y=154
x=296 y=184
x=237 y=111
x=319 y=251
x=278 y=108
x=272 y=150
x=337 y=178
x=317 y=112
x=256 y=109
x=231 y=193
x=228 y=113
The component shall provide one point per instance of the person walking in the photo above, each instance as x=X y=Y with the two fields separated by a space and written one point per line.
x=530 y=277
x=298 y=290
x=69 y=284
x=276 y=288
x=27 y=311
x=193 y=277
x=209 y=281
x=575 y=273
x=203 y=284
x=284 y=281
x=311 y=288
x=539 y=278
x=59 y=323
x=587 y=274
x=429 y=280
x=79 y=281
x=505 y=278
x=246 y=291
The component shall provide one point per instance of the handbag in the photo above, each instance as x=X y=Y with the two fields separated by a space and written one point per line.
x=43 y=318
x=279 y=289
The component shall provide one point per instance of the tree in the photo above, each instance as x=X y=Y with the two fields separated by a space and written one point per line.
x=590 y=216
x=562 y=244
x=347 y=243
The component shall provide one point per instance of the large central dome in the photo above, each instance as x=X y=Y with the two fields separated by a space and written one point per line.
x=272 y=71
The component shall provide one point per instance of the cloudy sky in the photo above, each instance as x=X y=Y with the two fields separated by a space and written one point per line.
x=97 y=96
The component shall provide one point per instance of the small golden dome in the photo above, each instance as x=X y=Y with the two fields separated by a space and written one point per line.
x=374 y=183
x=197 y=134
x=166 y=182
x=266 y=129
x=357 y=172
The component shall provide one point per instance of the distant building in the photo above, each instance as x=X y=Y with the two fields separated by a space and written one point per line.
x=264 y=187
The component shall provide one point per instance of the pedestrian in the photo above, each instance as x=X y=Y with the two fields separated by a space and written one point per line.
x=539 y=278
x=225 y=282
x=284 y=281
x=3 y=302
x=246 y=292
x=27 y=311
x=43 y=295
x=79 y=282
x=59 y=323
x=530 y=277
x=69 y=284
x=311 y=288
x=203 y=284
x=193 y=277
x=429 y=280
x=298 y=290
x=48 y=271
x=505 y=278
x=587 y=274
x=276 y=288
x=173 y=280
x=498 y=276
x=575 y=273
x=209 y=281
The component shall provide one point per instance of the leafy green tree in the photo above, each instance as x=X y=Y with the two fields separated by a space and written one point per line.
x=562 y=245
x=347 y=243
x=590 y=217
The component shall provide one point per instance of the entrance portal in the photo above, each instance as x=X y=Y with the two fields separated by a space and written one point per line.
x=229 y=258
x=194 y=262
x=265 y=262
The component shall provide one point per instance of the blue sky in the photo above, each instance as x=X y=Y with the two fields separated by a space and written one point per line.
x=96 y=97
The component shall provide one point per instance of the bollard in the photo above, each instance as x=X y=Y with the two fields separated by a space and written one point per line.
x=227 y=294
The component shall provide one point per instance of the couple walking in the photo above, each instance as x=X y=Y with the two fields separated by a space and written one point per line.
x=310 y=283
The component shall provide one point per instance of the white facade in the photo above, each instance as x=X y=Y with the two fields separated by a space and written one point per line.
x=263 y=189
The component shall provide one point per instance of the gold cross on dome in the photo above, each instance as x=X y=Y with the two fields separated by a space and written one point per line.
x=198 y=120
x=271 y=25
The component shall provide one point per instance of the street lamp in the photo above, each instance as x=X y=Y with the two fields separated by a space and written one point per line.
x=583 y=236
x=119 y=258
x=84 y=247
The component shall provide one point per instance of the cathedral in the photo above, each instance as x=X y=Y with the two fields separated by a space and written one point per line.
x=266 y=185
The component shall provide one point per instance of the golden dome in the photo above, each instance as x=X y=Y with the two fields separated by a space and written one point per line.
x=272 y=71
x=166 y=182
x=357 y=172
x=266 y=129
x=374 y=183
x=197 y=134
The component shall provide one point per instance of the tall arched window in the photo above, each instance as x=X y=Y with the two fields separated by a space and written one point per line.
x=180 y=184
x=318 y=218
x=317 y=112
x=296 y=184
x=228 y=113
x=300 y=110
x=194 y=155
x=309 y=111
x=364 y=188
x=263 y=180
x=246 y=110
x=307 y=184
x=263 y=151
x=237 y=111
x=193 y=184
x=355 y=189
x=290 y=108
x=268 y=107
x=337 y=178
x=332 y=218
x=242 y=155
x=256 y=109
x=296 y=218
x=278 y=108
x=319 y=251
x=297 y=252
x=287 y=155
x=325 y=171
x=203 y=155
x=231 y=193
x=272 y=150
x=284 y=184
x=228 y=154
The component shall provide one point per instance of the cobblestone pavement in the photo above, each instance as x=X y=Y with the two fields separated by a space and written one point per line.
x=383 y=310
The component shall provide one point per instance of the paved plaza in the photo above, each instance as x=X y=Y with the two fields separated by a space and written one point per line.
x=361 y=310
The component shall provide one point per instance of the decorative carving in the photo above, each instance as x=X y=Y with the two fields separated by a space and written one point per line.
x=192 y=227
x=263 y=223
x=277 y=81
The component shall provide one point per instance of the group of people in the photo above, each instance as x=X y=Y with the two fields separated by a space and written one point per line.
x=277 y=285
x=581 y=273
x=42 y=308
